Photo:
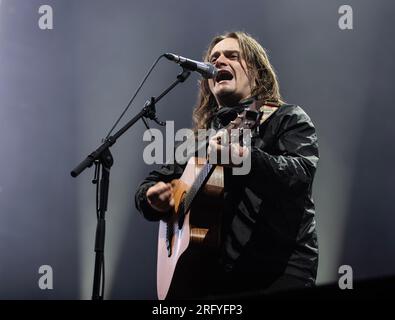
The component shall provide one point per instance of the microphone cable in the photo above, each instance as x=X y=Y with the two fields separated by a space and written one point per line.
x=134 y=96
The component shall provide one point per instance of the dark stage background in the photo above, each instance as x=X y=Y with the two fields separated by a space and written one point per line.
x=62 y=89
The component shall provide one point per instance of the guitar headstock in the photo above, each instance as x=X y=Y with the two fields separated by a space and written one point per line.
x=245 y=121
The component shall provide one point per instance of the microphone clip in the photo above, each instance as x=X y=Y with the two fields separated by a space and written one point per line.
x=149 y=110
x=150 y=113
x=183 y=75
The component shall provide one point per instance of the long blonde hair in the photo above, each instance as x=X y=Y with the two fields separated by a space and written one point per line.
x=265 y=84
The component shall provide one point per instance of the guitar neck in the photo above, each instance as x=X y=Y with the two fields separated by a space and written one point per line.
x=198 y=184
x=248 y=119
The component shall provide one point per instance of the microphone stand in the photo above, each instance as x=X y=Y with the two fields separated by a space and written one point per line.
x=103 y=157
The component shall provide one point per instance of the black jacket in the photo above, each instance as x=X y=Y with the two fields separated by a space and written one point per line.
x=269 y=224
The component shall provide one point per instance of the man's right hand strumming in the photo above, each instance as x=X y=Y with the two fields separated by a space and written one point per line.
x=160 y=197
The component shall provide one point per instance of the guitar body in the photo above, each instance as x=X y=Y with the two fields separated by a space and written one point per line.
x=195 y=240
x=190 y=238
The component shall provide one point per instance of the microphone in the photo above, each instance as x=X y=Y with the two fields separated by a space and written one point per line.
x=207 y=70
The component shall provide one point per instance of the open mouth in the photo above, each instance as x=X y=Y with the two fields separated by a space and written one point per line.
x=223 y=75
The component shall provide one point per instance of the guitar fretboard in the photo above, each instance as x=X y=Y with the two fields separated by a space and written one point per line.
x=199 y=182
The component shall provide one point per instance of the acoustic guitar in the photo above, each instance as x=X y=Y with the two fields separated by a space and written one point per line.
x=193 y=229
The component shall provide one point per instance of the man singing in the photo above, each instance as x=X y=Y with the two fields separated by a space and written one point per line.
x=268 y=238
